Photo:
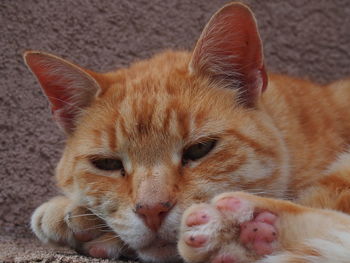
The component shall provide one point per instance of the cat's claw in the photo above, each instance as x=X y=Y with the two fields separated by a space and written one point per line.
x=230 y=229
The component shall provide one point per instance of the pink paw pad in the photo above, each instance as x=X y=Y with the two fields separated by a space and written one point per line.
x=259 y=233
x=197 y=218
x=229 y=203
x=98 y=252
x=266 y=217
x=224 y=259
x=83 y=236
x=196 y=241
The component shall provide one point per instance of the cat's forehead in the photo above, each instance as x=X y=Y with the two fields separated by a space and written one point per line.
x=165 y=75
x=157 y=104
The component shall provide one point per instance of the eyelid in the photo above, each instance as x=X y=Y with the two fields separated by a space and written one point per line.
x=97 y=156
x=201 y=140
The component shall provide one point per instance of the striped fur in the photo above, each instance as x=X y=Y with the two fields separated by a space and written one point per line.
x=285 y=147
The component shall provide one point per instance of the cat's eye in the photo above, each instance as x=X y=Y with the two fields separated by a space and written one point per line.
x=108 y=164
x=198 y=151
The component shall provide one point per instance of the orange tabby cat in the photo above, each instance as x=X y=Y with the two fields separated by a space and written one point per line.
x=155 y=152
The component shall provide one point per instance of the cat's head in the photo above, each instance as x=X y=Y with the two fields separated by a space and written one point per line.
x=145 y=142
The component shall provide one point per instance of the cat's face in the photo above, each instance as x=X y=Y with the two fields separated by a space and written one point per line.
x=146 y=142
x=138 y=144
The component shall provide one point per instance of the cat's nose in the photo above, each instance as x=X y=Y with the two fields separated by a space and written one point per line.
x=153 y=214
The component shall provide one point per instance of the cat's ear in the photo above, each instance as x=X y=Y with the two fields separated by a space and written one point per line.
x=229 y=51
x=68 y=87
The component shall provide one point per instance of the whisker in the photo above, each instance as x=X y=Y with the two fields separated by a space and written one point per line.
x=100 y=228
x=66 y=102
x=106 y=239
x=82 y=215
x=88 y=215
x=97 y=214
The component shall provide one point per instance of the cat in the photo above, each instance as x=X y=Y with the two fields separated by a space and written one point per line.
x=200 y=156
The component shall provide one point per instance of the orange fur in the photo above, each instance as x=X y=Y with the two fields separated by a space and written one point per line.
x=278 y=144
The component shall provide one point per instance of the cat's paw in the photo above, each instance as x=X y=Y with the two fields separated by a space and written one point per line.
x=60 y=222
x=233 y=228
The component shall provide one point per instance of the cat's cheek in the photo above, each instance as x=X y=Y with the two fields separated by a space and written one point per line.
x=100 y=193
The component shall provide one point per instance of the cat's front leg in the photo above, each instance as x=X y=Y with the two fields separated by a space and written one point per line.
x=60 y=222
x=240 y=228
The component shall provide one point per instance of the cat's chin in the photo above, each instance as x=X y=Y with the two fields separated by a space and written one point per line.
x=159 y=251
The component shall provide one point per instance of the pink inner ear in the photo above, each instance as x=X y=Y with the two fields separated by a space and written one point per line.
x=55 y=93
x=67 y=87
x=55 y=88
x=230 y=48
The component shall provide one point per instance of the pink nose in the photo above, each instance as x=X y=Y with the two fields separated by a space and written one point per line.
x=153 y=215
